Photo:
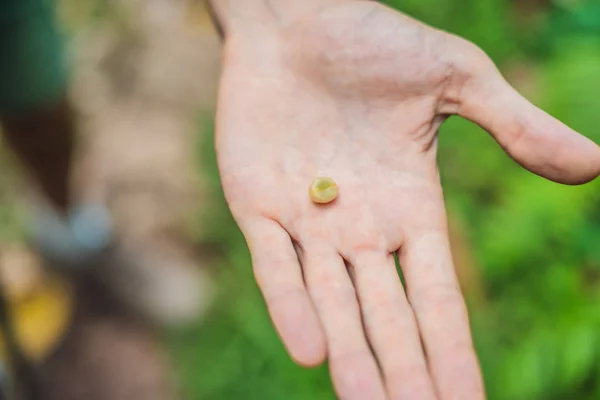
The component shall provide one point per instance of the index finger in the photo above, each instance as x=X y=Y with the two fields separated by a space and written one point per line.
x=434 y=294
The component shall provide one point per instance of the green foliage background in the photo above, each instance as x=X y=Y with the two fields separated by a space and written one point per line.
x=536 y=244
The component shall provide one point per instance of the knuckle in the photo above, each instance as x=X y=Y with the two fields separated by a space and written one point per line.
x=283 y=296
x=271 y=261
x=387 y=314
x=329 y=290
x=409 y=381
x=439 y=300
x=347 y=356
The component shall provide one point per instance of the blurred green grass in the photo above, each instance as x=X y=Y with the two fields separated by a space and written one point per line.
x=536 y=244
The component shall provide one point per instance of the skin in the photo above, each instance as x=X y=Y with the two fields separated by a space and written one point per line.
x=357 y=91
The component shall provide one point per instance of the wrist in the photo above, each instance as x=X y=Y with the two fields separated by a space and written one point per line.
x=252 y=17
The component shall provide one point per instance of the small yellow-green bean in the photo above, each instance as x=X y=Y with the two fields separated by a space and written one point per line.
x=323 y=190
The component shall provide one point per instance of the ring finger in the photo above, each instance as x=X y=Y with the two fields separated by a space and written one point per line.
x=353 y=368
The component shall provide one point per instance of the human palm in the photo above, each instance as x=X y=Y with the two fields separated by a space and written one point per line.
x=356 y=92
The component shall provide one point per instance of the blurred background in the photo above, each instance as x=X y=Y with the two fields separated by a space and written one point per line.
x=144 y=79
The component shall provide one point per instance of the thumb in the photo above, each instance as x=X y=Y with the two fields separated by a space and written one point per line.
x=534 y=139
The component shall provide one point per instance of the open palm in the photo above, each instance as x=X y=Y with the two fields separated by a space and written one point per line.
x=356 y=92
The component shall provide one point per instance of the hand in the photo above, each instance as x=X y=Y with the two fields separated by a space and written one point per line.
x=355 y=91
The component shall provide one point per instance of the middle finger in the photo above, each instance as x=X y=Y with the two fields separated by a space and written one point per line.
x=391 y=327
